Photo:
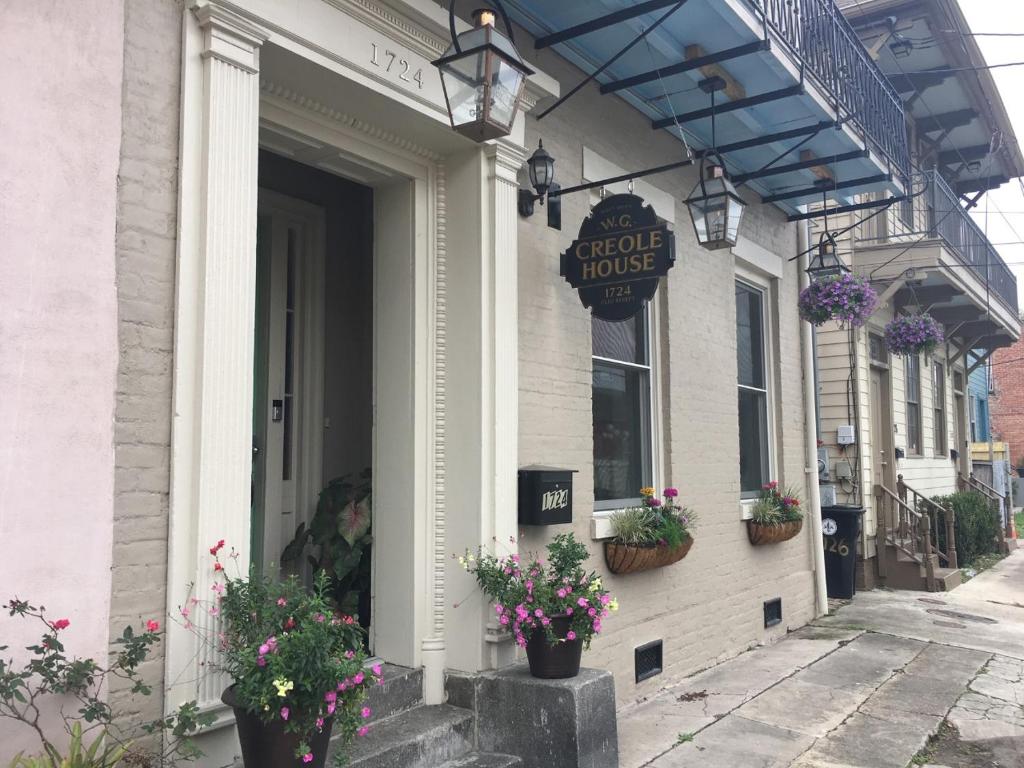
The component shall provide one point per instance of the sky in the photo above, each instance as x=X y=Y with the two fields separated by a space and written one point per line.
x=1005 y=206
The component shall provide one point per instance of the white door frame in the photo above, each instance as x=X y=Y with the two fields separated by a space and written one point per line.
x=309 y=385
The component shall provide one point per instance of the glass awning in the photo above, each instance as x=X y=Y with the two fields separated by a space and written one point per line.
x=805 y=110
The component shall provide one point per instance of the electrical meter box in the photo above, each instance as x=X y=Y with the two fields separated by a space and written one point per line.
x=844 y=435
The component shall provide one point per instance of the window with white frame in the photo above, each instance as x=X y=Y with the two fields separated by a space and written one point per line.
x=623 y=421
x=753 y=384
x=913 y=369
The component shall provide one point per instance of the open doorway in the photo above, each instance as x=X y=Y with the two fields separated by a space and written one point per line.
x=313 y=390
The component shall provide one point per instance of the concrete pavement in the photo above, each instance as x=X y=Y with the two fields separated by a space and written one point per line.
x=865 y=687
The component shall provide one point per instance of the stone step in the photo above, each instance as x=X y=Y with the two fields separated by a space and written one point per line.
x=422 y=737
x=948 y=578
x=483 y=760
x=402 y=690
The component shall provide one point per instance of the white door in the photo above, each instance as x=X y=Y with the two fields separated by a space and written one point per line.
x=290 y=328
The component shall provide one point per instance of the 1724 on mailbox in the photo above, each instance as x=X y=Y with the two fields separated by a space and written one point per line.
x=545 y=495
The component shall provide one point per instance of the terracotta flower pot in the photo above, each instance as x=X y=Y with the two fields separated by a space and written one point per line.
x=268 y=745
x=632 y=558
x=552 y=662
x=772 y=534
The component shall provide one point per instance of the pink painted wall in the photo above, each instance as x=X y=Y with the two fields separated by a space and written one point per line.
x=60 y=133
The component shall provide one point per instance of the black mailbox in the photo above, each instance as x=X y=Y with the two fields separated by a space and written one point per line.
x=545 y=495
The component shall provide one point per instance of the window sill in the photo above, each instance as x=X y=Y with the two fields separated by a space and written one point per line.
x=601 y=524
x=747 y=509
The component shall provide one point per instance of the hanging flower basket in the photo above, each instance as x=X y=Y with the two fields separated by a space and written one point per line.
x=759 y=533
x=847 y=299
x=913 y=334
x=634 y=558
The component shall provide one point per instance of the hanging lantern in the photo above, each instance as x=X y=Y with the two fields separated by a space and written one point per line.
x=900 y=46
x=716 y=208
x=483 y=77
x=826 y=262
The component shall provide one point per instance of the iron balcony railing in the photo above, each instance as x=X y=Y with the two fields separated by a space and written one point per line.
x=948 y=219
x=821 y=38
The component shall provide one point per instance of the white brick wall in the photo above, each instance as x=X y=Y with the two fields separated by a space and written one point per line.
x=708 y=606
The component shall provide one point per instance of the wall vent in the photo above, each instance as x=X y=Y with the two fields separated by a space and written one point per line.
x=772 y=612
x=647 y=660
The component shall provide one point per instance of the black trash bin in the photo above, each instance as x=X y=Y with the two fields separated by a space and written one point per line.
x=840 y=529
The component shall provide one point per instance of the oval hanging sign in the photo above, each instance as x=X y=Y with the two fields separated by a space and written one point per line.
x=615 y=262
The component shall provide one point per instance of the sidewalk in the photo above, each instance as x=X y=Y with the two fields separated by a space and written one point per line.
x=865 y=687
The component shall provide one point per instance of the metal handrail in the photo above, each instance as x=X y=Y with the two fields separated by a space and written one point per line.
x=967 y=241
x=820 y=36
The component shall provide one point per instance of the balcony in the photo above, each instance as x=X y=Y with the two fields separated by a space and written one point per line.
x=946 y=264
x=806 y=111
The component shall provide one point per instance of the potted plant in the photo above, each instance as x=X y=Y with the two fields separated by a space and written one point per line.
x=341 y=533
x=653 y=535
x=913 y=334
x=845 y=298
x=297 y=667
x=553 y=610
x=776 y=516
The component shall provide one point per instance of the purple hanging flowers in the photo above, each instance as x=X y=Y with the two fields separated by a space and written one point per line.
x=913 y=334
x=847 y=299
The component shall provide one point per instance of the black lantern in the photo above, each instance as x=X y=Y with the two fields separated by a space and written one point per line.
x=541 y=167
x=900 y=46
x=715 y=207
x=483 y=77
x=826 y=262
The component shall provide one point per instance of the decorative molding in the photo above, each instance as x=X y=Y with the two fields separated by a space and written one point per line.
x=229 y=37
x=440 y=400
x=385 y=20
x=270 y=88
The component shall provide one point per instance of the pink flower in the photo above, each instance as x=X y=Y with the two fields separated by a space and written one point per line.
x=363 y=731
x=366 y=712
x=591 y=612
x=597 y=625
x=319 y=723
x=503 y=620
x=152 y=626
x=350 y=654
x=545 y=621
x=214 y=610
x=331 y=708
x=562 y=593
x=538 y=613
x=308 y=757
x=321 y=618
x=218 y=588
x=264 y=649
x=261 y=661
x=282 y=602
x=217 y=547
x=568 y=611
x=358 y=678
x=60 y=624
x=570 y=635
x=582 y=602
x=654 y=502
x=671 y=493
x=605 y=599
x=330 y=696
x=284 y=713
x=376 y=669
x=499 y=608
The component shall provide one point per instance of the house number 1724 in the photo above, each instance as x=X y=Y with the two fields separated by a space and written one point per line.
x=390 y=61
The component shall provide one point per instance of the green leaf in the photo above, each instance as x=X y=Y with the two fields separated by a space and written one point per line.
x=354 y=520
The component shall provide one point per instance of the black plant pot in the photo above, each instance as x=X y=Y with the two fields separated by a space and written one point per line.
x=268 y=745
x=552 y=662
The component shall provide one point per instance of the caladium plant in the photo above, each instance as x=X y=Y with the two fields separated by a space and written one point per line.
x=340 y=536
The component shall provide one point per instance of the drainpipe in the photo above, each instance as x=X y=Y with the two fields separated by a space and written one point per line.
x=811 y=433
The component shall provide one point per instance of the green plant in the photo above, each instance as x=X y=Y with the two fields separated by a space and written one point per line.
x=51 y=674
x=291 y=658
x=775 y=507
x=656 y=522
x=976 y=525
x=684 y=738
x=99 y=754
x=527 y=596
x=340 y=532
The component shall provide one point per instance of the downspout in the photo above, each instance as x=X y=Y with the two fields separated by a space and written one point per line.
x=811 y=432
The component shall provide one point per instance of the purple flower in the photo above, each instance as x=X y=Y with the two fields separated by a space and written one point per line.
x=847 y=299
x=913 y=334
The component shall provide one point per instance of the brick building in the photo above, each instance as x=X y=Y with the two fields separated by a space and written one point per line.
x=1007 y=400
x=275 y=263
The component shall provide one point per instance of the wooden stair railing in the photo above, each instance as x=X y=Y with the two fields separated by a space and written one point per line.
x=904 y=528
x=996 y=499
x=932 y=511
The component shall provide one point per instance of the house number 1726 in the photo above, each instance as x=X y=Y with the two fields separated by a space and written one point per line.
x=391 y=62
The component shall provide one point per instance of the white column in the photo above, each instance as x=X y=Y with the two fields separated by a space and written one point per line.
x=212 y=432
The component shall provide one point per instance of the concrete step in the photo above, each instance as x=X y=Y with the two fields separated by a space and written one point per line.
x=402 y=690
x=948 y=579
x=483 y=760
x=422 y=737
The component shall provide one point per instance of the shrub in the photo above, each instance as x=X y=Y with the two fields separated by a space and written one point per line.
x=976 y=528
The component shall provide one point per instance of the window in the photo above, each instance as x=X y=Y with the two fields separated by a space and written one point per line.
x=622 y=410
x=753 y=389
x=974 y=418
x=939 y=407
x=913 y=367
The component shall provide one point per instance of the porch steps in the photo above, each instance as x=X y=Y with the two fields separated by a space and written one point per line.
x=404 y=733
x=903 y=571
